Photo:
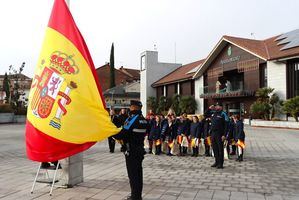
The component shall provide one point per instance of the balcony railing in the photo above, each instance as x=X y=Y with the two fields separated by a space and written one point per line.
x=235 y=90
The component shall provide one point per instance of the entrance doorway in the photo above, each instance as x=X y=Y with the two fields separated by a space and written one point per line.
x=233 y=108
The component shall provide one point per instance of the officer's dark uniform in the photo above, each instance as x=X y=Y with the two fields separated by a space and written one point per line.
x=132 y=136
x=218 y=129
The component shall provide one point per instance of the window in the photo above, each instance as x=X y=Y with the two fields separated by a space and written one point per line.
x=192 y=88
x=263 y=76
x=293 y=78
x=176 y=88
x=142 y=64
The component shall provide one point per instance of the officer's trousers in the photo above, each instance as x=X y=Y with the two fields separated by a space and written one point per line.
x=135 y=174
x=218 y=150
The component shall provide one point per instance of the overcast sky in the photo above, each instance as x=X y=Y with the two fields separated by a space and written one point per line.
x=195 y=26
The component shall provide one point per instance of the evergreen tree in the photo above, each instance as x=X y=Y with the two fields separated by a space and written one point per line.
x=112 y=70
x=6 y=87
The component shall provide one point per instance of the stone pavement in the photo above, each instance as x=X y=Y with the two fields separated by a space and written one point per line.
x=270 y=172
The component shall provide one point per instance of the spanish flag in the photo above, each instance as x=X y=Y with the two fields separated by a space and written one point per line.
x=241 y=144
x=66 y=110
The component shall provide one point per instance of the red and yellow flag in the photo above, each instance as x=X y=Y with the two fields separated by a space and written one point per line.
x=66 y=110
x=241 y=144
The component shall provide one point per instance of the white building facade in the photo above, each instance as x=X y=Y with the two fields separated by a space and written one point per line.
x=152 y=70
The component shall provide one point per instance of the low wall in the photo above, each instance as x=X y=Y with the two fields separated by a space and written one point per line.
x=6 y=118
x=273 y=124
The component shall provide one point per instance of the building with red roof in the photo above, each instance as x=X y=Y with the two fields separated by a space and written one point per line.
x=234 y=70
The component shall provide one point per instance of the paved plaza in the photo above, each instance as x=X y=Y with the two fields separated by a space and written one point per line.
x=270 y=172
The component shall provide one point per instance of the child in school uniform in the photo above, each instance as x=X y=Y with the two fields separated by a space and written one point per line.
x=155 y=134
x=171 y=133
x=195 y=132
x=239 y=137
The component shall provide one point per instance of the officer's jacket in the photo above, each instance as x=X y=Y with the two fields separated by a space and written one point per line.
x=218 y=124
x=133 y=132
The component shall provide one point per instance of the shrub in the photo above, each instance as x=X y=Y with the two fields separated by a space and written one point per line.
x=152 y=103
x=21 y=111
x=176 y=98
x=6 y=108
x=188 y=104
x=267 y=105
x=260 y=109
x=291 y=106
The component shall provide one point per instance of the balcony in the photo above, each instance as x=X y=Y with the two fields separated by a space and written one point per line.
x=234 y=90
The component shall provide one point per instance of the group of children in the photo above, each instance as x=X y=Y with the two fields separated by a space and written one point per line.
x=183 y=135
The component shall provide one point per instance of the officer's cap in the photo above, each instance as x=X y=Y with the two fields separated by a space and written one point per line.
x=135 y=103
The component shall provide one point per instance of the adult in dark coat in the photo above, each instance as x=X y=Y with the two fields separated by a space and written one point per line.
x=218 y=132
x=132 y=137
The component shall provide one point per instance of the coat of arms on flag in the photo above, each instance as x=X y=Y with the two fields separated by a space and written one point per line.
x=47 y=88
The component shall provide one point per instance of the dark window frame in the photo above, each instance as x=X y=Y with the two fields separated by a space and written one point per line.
x=292 y=72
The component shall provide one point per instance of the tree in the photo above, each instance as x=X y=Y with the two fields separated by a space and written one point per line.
x=260 y=109
x=176 y=98
x=16 y=93
x=263 y=94
x=6 y=87
x=276 y=105
x=291 y=106
x=162 y=104
x=112 y=70
x=266 y=103
x=188 y=104
x=152 y=103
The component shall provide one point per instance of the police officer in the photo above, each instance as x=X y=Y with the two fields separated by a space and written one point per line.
x=218 y=132
x=132 y=137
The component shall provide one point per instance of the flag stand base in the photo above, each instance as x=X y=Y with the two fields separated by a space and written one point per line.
x=73 y=170
x=68 y=173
